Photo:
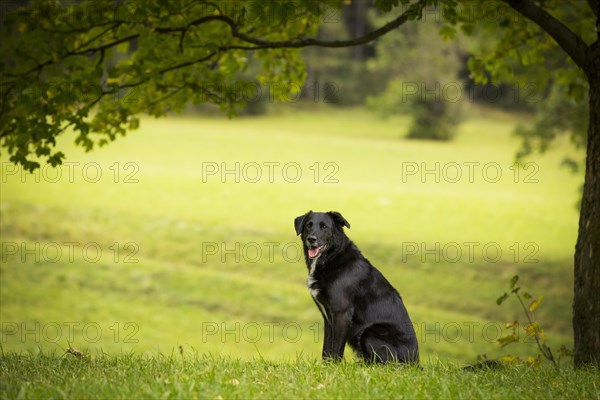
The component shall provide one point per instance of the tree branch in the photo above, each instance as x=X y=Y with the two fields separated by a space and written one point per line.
x=162 y=71
x=90 y=51
x=572 y=44
x=296 y=43
x=257 y=43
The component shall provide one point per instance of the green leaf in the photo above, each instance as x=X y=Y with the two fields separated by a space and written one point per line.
x=502 y=298
x=514 y=281
x=564 y=352
x=510 y=359
x=56 y=158
x=385 y=5
x=134 y=123
x=478 y=69
x=512 y=325
x=534 y=361
x=508 y=339
x=535 y=304
x=534 y=329
x=448 y=32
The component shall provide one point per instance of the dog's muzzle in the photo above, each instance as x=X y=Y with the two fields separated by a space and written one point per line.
x=314 y=252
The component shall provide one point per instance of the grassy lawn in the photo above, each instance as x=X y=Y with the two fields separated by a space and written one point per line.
x=181 y=234
x=205 y=377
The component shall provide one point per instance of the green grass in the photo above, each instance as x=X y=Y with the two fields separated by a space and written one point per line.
x=207 y=377
x=154 y=287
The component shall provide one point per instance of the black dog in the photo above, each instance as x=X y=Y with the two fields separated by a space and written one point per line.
x=359 y=306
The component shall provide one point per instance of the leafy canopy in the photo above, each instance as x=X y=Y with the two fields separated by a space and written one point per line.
x=509 y=48
x=94 y=66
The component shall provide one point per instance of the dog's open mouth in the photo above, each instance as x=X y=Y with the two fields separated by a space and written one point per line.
x=314 y=252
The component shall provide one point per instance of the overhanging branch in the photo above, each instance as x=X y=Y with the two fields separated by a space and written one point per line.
x=305 y=42
x=294 y=43
x=572 y=44
x=253 y=43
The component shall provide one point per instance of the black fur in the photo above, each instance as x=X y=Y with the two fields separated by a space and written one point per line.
x=359 y=306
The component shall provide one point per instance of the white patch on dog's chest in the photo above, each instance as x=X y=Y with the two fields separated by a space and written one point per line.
x=311 y=279
x=311 y=282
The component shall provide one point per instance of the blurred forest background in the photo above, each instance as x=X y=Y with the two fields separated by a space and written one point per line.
x=421 y=70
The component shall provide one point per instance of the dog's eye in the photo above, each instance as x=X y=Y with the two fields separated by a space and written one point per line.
x=323 y=226
x=310 y=224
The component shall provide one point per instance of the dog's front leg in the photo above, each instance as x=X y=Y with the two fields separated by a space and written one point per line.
x=340 y=327
x=327 y=340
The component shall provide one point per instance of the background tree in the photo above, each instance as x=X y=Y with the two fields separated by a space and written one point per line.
x=534 y=66
x=424 y=82
x=528 y=33
x=344 y=70
x=95 y=66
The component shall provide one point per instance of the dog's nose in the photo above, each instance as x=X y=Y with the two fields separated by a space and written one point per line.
x=311 y=239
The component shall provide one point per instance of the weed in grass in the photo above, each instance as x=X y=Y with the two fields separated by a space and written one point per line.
x=533 y=329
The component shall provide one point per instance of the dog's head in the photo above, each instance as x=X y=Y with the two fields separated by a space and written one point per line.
x=320 y=231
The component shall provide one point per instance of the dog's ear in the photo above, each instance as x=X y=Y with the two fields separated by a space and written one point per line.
x=299 y=222
x=337 y=217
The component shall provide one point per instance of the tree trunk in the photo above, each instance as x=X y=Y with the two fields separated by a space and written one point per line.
x=357 y=24
x=586 y=302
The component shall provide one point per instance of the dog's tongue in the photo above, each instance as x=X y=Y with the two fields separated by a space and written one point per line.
x=312 y=253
